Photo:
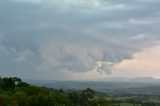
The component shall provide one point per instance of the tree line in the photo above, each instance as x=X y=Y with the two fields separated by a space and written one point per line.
x=15 y=92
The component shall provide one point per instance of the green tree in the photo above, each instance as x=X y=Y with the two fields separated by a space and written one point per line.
x=8 y=83
x=87 y=96
x=21 y=98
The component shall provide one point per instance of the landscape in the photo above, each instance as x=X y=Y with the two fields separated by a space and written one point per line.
x=127 y=92
x=79 y=52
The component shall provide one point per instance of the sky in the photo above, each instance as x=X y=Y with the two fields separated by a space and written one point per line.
x=79 y=39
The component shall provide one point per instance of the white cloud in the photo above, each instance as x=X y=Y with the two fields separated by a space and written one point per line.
x=140 y=36
x=106 y=67
x=84 y=5
x=143 y=64
x=69 y=57
x=30 y=1
x=139 y=22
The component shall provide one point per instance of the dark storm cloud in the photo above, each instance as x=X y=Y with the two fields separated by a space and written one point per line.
x=74 y=35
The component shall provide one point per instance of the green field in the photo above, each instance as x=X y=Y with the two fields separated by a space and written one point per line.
x=129 y=104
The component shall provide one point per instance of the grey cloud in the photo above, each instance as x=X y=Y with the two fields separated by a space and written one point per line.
x=82 y=57
x=74 y=35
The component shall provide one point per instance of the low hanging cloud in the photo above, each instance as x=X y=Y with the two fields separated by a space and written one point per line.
x=75 y=35
x=82 y=57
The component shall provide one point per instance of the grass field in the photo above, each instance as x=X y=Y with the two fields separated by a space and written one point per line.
x=129 y=104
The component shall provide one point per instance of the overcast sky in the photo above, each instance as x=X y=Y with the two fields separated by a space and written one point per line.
x=79 y=39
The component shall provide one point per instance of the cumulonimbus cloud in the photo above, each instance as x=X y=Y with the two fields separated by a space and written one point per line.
x=75 y=35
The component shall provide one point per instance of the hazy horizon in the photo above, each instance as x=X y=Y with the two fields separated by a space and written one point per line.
x=79 y=39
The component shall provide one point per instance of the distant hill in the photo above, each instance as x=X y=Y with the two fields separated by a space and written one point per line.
x=108 y=85
x=124 y=79
x=148 y=90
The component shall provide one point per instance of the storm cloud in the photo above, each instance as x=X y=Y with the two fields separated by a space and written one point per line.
x=74 y=35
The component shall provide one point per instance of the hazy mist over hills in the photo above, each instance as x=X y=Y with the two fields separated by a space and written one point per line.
x=99 y=84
